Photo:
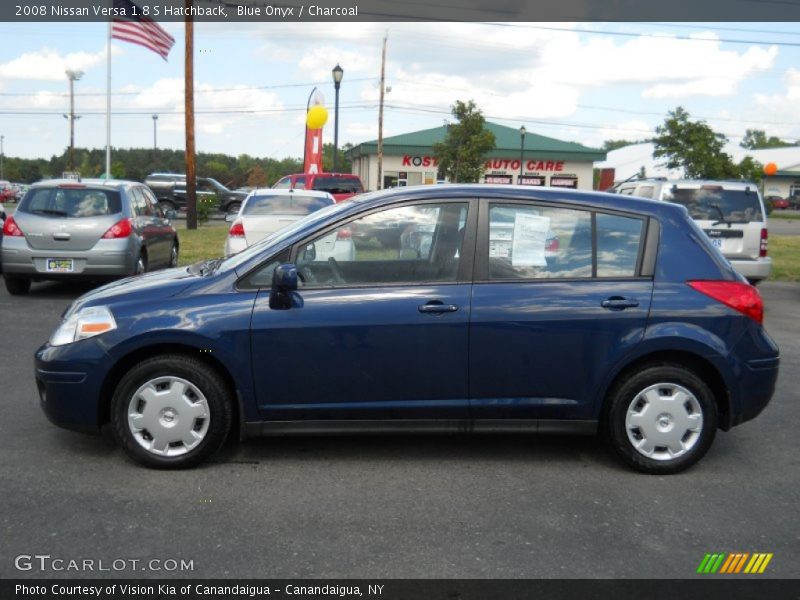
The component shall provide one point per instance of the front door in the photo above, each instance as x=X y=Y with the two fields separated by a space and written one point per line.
x=376 y=331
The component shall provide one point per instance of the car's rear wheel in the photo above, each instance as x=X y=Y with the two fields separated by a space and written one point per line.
x=17 y=286
x=171 y=412
x=661 y=419
x=166 y=205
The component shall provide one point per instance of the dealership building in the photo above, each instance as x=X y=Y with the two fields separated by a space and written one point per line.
x=528 y=159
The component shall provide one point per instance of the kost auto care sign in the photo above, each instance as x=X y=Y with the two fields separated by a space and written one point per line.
x=495 y=164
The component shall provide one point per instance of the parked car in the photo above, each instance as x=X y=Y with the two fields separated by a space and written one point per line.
x=639 y=328
x=65 y=229
x=731 y=213
x=266 y=211
x=8 y=192
x=170 y=189
x=777 y=202
x=342 y=186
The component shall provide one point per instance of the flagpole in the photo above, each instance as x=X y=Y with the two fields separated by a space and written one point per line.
x=108 y=104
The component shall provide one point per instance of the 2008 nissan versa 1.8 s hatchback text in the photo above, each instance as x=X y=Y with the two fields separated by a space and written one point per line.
x=633 y=324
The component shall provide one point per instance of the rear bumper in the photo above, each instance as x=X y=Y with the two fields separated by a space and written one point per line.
x=753 y=269
x=758 y=380
x=106 y=258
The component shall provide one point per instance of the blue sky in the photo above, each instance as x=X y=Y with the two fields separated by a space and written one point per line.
x=579 y=82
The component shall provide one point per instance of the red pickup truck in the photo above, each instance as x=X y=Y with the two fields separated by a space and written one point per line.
x=340 y=185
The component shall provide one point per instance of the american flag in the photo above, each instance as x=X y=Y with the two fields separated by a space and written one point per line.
x=140 y=29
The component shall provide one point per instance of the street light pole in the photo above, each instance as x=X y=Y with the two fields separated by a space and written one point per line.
x=522 y=132
x=337 y=73
x=2 y=155
x=155 y=135
x=73 y=76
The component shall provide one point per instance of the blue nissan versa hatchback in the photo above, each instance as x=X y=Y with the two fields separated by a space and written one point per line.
x=493 y=309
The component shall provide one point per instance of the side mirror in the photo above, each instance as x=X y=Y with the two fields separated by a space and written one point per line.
x=231 y=217
x=284 y=284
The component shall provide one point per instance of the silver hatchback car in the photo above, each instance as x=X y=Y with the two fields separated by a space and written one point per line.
x=90 y=229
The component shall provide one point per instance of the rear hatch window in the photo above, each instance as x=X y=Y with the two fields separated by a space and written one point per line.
x=73 y=203
x=713 y=203
x=338 y=185
x=284 y=204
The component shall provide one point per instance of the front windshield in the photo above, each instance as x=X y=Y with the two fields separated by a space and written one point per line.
x=234 y=261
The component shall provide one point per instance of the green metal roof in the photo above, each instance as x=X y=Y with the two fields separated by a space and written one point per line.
x=507 y=145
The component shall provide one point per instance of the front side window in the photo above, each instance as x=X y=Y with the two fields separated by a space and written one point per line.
x=409 y=244
x=532 y=242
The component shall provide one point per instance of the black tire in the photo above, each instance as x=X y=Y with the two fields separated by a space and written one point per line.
x=628 y=389
x=233 y=207
x=173 y=255
x=17 y=286
x=198 y=374
x=140 y=267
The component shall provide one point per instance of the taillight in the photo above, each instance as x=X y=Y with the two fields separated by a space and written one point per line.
x=762 y=251
x=121 y=229
x=742 y=297
x=551 y=245
x=344 y=234
x=11 y=228
x=237 y=229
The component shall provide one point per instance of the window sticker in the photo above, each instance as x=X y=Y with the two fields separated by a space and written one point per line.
x=530 y=236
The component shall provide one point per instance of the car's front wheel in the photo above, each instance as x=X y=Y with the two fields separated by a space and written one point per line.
x=171 y=412
x=661 y=419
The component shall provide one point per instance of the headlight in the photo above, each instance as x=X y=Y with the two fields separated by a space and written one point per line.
x=85 y=323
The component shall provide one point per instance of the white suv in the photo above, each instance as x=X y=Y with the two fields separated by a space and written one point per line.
x=730 y=212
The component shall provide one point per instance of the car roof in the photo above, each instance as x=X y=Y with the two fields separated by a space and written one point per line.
x=107 y=183
x=283 y=192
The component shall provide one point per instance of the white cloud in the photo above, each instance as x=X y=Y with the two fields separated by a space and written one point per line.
x=48 y=65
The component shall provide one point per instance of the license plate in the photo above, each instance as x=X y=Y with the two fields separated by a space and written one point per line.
x=59 y=265
x=716 y=242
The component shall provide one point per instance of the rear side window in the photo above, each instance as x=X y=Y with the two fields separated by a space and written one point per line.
x=618 y=241
x=284 y=204
x=713 y=203
x=71 y=202
x=338 y=185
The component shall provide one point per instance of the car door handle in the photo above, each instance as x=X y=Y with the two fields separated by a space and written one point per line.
x=619 y=303
x=436 y=308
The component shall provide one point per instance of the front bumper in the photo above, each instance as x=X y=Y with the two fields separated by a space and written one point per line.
x=69 y=380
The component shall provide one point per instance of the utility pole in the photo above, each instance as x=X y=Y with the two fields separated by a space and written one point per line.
x=191 y=172
x=73 y=76
x=380 y=113
x=155 y=137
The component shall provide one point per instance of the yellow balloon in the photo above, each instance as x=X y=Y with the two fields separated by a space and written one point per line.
x=316 y=117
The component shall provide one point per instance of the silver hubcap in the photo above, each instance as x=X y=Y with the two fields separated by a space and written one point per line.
x=664 y=421
x=174 y=257
x=168 y=416
x=140 y=266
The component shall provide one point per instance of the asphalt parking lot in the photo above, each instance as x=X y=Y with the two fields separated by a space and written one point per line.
x=452 y=507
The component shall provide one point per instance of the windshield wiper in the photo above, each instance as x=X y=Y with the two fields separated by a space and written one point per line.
x=721 y=215
x=47 y=211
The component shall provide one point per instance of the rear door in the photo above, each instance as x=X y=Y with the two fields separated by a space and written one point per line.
x=732 y=218
x=559 y=298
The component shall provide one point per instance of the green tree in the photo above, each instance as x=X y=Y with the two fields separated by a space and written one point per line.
x=462 y=154
x=610 y=145
x=694 y=147
x=756 y=139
